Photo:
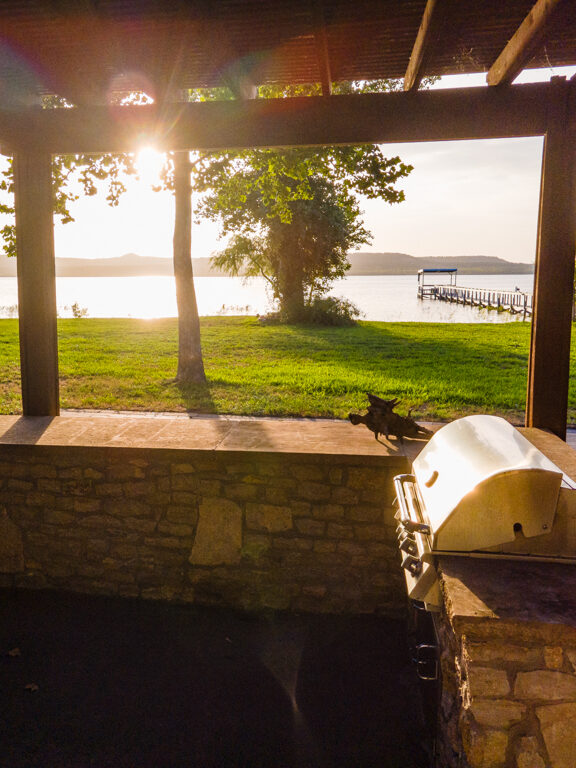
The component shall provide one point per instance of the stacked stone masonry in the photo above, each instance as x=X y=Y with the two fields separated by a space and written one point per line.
x=250 y=529
x=508 y=696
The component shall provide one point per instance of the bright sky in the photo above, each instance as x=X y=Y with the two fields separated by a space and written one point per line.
x=462 y=198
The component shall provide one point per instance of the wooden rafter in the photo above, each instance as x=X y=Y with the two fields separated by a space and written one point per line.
x=521 y=47
x=427 y=34
x=322 y=50
x=458 y=114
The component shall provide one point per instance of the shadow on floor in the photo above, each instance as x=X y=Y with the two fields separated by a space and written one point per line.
x=130 y=684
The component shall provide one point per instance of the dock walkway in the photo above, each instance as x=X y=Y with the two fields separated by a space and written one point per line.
x=516 y=302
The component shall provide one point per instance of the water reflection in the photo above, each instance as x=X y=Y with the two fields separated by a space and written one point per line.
x=388 y=298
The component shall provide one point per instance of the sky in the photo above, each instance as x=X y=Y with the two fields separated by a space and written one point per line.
x=462 y=198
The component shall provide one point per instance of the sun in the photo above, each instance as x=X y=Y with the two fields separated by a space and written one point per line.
x=149 y=164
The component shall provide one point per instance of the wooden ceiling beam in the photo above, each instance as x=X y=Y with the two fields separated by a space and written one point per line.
x=522 y=45
x=322 y=50
x=427 y=35
x=456 y=114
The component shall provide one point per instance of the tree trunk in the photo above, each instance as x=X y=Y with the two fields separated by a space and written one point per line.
x=190 y=363
x=291 y=290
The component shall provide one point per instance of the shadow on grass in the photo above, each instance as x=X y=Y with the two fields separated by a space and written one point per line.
x=196 y=398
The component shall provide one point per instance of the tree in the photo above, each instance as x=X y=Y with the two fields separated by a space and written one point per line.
x=293 y=214
x=88 y=172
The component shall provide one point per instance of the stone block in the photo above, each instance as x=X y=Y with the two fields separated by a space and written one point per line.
x=310 y=527
x=142 y=488
x=109 y=489
x=553 y=657
x=313 y=491
x=210 y=487
x=56 y=517
x=558 y=726
x=483 y=748
x=365 y=513
x=292 y=543
x=277 y=495
x=86 y=506
x=527 y=754
x=497 y=714
x=175 y=529
x=343 y=495
x=142 y=525
x=338 y=531
x=50 y=485
x=571 y=653
x=11 y=546
x=494 y=652
x=328 y=511
x=218 y=537
x=545 y=685
x=92 y=474
x=371 y=533
x=336 y=476
x=184 y=483
x=308 y=472
x=364 y=478
x=182 y=514
x=40 y=499
x=125 y=472
x=267 y=517
x=128 y=508
x=325 y=547
x=485 y=682
x=241 y=491
x=182 y=469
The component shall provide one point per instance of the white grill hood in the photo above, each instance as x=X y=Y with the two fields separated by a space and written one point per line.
x=482 y=484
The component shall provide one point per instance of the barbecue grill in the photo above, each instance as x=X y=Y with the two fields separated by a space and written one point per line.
x=480 y=489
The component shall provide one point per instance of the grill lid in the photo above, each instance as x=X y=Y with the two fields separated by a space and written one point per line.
x=483 y=484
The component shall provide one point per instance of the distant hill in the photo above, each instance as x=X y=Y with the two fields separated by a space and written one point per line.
x=403 y=264
x=132 y=265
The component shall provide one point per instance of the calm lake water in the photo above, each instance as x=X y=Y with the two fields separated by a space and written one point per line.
x=388 y=298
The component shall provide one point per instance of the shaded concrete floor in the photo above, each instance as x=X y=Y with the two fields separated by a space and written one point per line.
x=130 y=684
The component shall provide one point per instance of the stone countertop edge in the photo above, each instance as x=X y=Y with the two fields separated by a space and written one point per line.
x=285 y=436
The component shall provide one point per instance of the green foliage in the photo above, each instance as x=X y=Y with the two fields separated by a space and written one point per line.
x=70 y=173
x=331 y=310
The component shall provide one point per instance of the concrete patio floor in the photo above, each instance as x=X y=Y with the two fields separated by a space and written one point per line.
x=91 y=682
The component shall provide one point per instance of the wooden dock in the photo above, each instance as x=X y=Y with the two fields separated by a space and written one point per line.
x=517 y=302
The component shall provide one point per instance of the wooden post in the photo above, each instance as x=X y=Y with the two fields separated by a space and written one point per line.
x=549 y=364
x=36 y=283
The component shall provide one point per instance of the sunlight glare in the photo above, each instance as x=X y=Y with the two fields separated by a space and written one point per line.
x=149 y=164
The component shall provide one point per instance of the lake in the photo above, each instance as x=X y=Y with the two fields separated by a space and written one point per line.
x=390 y=298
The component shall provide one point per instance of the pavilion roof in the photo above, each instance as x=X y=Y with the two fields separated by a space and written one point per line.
x=87 y=49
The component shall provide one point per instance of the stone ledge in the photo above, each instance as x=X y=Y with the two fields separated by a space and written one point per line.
x=266 y=435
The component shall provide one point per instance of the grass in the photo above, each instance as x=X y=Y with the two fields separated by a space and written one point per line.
x=445 y=370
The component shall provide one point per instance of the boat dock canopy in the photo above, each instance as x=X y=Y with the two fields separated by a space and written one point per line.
x=451 y=270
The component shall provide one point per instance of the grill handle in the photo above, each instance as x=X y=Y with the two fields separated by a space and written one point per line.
x=405 y=495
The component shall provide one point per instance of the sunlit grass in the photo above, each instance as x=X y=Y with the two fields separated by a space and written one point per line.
x=444 y=370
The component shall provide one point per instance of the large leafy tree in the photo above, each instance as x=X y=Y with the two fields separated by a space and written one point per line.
x=293 y=215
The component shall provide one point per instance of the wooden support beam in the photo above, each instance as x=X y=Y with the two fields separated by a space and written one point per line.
x=463 y=113
x=36 y=283
x=322 y=50
x=549 y=365
x=427 y=34
x=522 y=45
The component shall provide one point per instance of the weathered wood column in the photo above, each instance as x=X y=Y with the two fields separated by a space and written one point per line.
x=549 y=364
x=36 y=283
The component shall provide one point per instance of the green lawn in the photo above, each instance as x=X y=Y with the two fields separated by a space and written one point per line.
x=446 y=370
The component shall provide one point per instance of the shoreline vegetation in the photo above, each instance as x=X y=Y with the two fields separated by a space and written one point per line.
x=443 y=370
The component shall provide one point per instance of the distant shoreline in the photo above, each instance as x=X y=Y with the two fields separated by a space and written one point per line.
x=132 y=265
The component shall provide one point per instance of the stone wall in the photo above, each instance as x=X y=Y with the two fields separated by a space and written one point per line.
x=508 y=695
x=248 y=529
